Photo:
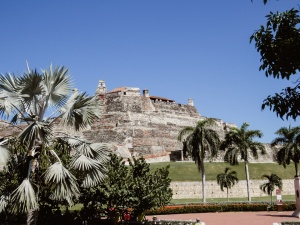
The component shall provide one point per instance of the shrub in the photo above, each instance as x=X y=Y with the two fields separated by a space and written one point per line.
x=290 y=223
x=219 y=207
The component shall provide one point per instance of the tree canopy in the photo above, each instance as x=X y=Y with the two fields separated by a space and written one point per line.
x=269 y=186
x=200 y=142
x=227 y=179
x=278 y=43
x=288 y=141
x=239 y=142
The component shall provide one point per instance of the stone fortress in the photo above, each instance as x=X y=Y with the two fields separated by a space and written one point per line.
x=144 y=125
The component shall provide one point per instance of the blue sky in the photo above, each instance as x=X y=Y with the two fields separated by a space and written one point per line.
x=177 y=49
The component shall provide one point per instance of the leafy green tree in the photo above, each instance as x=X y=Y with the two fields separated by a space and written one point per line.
x=116 y=187
x=278 y=44
x=227 y=180
x=200 y=142
x=38 y=102
x=288 y=139
x=148 y=190
x=133 y=186
x=273 y=181
x=112 y=195
x=239 y=142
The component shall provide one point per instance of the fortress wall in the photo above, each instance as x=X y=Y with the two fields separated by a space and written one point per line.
x=7 y=129
x=174 y=108
x=147 y=127
x=151 y=127
x=194 y=189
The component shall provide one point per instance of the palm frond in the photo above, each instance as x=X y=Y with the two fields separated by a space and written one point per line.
x=23 y=199
x=85 y=149
x=213 y=142
x=97 y=151
x=72 y=141
x=184 y=132
x=93 y=178
x=10 y=98
x=83 y=163
x=57 y=84
x=3 y=203
x=30 y=85
x=65 y=185
x=103 y=150
x=231 y=156
x=80 y=111
x=40 y=130
x=90 y=159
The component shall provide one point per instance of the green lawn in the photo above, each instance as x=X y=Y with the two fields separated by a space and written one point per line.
x=217 y=200
x=187 y=171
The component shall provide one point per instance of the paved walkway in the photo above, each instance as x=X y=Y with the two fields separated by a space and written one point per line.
x=233 y=218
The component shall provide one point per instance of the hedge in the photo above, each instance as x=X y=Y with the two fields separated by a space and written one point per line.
x=290 y=223
x=220 y=207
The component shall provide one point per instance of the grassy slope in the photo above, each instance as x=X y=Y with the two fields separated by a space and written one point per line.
x=187 y=171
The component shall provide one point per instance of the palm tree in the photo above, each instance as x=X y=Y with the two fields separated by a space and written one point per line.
x=288 y=140
x=39 y=102
x=200 y=142
x=239 y=142
x=227 y=180
x=273 y=181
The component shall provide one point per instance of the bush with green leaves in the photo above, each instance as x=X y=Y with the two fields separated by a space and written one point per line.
x=133 y=187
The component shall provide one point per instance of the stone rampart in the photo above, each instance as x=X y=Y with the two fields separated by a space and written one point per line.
x=140 y=126
x=193 y=190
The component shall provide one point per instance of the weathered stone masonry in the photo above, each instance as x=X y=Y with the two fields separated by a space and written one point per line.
x=193 y=189
x=143 y=125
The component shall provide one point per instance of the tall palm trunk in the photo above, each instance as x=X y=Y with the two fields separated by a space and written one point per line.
x=271 y=198
x=203 y=183
x=296 y=169
x=227 y=195
x=32 y=215
x=248 y=179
